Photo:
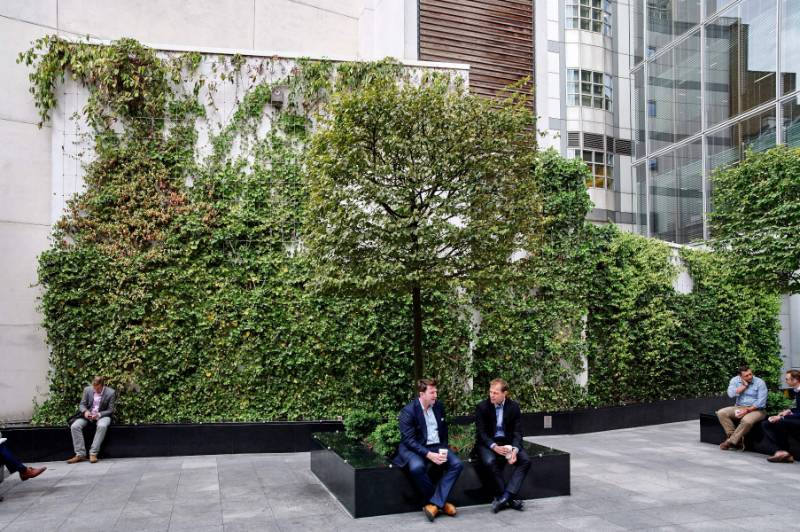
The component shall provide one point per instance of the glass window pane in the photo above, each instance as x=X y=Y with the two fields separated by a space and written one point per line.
x=587 y=155
x=586 y=75
x=597 y=26
x=758 y=132
x=598 y=89
x=638 y=113
x=572 y=99
x=791 y=121
x=638 y=32
x=661 y=81
x=689 y=173
x=572 y=74
x=598 y=103
x=790 y=44
x=663 y=199
x=757 y=53
x=585 y=12
x=586 y=101
x=598 y=157
x=659 y=23
x=712 y=6
x=584 y=24
x=586 y=88
x=687 y=87
x=640 y=173
x=572 y=87
x=598 y=77
x=686 y=15
x=720 y=44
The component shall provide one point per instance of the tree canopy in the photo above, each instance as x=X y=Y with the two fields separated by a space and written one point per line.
x=414 y=186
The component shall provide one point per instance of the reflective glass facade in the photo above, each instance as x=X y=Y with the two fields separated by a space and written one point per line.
x=711 y=79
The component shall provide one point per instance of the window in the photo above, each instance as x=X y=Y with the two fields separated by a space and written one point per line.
x=601 y=165
x=589 y=89
x=651 y=108
x=590 y=15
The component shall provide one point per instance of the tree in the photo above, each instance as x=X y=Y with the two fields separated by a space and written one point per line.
x=756 y=218
x=414 y=187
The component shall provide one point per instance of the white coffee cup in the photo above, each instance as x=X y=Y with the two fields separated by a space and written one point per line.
x=443 y=452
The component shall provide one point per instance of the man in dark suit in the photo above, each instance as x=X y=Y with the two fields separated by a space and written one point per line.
x=423 y=441
x=777 y=428
x=498 y=434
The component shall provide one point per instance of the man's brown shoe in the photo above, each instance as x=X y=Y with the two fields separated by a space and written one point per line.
x=30 y=472
x=781 y=456
x=75 y=459
x=93 y=458
x=450 y=509
x=431 y=511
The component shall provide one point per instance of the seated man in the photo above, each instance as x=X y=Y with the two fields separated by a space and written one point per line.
x=498 y=434
x=751 y=399
x=15 y=466
x=423 y=440
x=97 y=406
x=777 y=428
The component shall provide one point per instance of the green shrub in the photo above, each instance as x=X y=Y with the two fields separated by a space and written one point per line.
x=778 y=402
x=358 y=424
x=385 y=438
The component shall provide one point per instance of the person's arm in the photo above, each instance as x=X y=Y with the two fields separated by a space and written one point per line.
x=480 y=428
x=732 y=388
x=407 y=431
x=111 y=406
x=761 y=400
x=84 y=406
x=515 y=417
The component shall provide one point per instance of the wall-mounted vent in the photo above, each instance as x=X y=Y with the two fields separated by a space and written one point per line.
x=594 y=141
x=574 y=139
x=623 y=147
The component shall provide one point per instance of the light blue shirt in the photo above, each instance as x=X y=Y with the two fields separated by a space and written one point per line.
x=430 y=422
x=498 y=429
x=754 y=395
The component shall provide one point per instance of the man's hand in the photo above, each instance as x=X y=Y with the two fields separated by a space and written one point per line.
x=741 y=413
x=500 y=449
x=436 y=458
x=785 y=412
x=512 y=457
x=87 y=414
x=741 y=388
x=774 y=419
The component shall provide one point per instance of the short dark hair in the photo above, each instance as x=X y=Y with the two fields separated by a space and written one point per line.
x=98 y=380
x=743 y=368
x=422 y=384
x=501 y=382
x=795 y=373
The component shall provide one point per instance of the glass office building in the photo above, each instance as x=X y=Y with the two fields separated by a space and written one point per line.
x=711 y=79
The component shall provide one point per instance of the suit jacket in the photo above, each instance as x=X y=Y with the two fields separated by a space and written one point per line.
x=106 y=402
x=414 y=431
x=486 y=422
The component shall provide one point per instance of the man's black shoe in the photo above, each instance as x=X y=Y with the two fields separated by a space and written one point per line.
x=499 y=503
x=516 y=504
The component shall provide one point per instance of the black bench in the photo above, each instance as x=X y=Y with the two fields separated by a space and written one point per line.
x=755 y=440
x=367 y=485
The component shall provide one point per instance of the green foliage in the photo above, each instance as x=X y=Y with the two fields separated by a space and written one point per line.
x=756 y=218
x=183 y=278
x=777 y=402
x=358 y=424
x=385 y=438
x=462 y=438
x=647 y=342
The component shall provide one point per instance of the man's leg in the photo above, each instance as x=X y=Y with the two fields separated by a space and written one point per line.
x=727 y=418
x=521 y=468
x=745 y=425
x=453 y=469
x=778 y=433
x=419 y=472
x=495 y=463
x=99 y=435
x=77 y=436
x=10 y=461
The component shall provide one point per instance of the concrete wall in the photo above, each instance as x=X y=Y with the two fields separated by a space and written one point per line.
x=29 y=198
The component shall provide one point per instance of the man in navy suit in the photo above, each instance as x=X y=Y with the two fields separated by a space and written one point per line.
x=498 y=435
x=777 y=428
x=423 y=439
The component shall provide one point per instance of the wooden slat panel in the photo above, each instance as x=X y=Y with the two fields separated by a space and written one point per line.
x=495 y=37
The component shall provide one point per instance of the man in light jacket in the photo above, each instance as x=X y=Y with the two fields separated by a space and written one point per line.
x=97 y=406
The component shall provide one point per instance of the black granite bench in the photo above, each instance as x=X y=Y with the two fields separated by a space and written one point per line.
x=367 y=484
x=755 y=440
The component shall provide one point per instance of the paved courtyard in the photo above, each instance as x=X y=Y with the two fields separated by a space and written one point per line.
x=649 y=478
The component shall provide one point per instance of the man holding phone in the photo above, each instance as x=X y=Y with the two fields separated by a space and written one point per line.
x=96 y=406
x=423 y=442
x=751 y=400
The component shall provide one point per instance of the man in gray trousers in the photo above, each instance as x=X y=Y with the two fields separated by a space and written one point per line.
x=97 y=406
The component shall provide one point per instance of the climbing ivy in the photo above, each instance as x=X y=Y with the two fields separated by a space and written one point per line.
x=179 y=272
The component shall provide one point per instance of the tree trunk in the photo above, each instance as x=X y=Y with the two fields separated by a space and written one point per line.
x=416 y=296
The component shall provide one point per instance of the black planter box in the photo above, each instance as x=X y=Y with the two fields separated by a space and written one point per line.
x=367 y=484
x=755 y=440
x=44 y=444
